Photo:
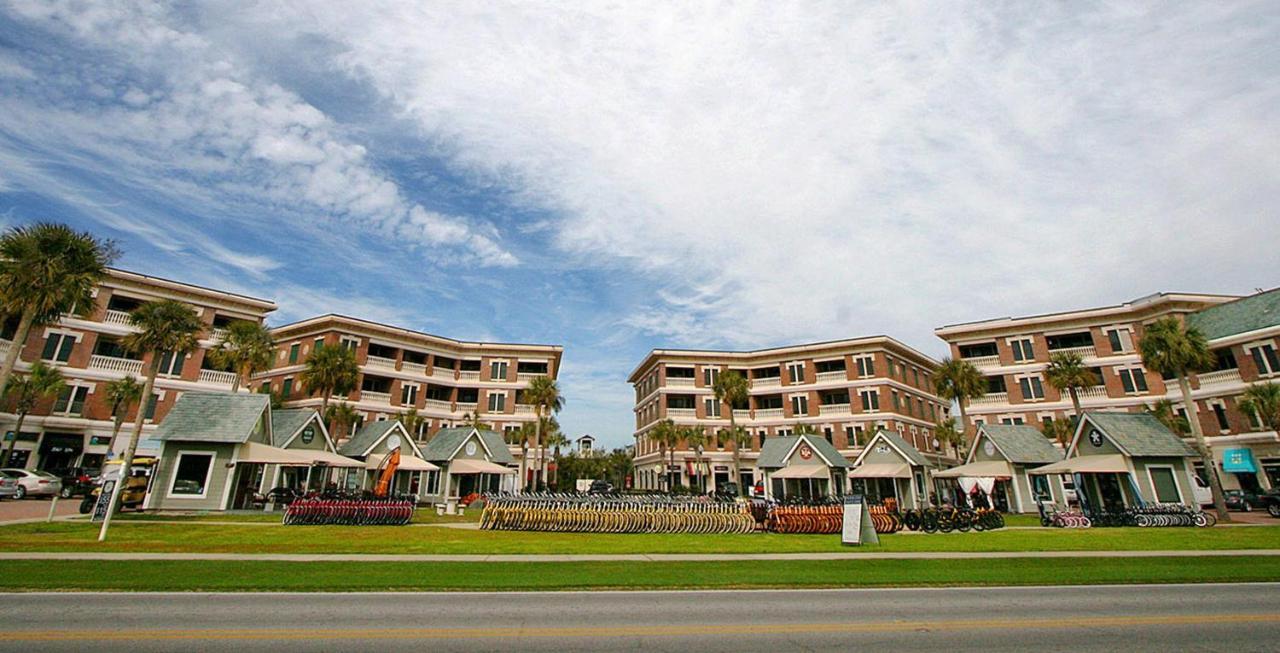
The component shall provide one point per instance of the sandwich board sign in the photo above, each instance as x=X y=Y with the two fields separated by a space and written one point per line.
x=104 y=500
x=858 y=528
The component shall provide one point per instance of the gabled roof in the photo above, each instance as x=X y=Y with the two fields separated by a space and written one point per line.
x=371 y=433
x=214 y=417
x=1019 y=443
x=1240 y=316
x=902 y=446
x=1136 y=434
x=287 y=421
x=776 y=451
x=444 y=445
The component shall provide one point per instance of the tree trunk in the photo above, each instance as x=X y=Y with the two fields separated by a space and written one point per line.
x=737 y=451
x=17 y=428
x=15 y=352
x=235 y=383
x=524 y=462
x=1202 y=447
x=126 y=463
x=1075 y=401
x=964 y=421
x=324 y=411
x=537 y=446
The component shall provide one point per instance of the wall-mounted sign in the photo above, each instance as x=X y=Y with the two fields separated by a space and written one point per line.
x=882 y=448
x=989 y=448
x=308 y=434
x=471 y=448
x=393 y=442
x=1095 y=438
x=805 y=452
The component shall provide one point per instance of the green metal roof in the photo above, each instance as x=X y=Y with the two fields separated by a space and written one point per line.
x=1243 y=315
x=1139 y=434
x=774 y=452
x=1022 y=443
x=367 y=436
x=911 y=452
x=214 y=417
x=447 y=441
x=286 y=421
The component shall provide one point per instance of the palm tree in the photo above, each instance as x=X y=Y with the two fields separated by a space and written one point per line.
x=26 y=391
x=947 y=433
x=340 y=415
x=472 y=420
x=804 y=429
x=1173 y=350
x=697 y=438
x=121 y=394
x=1067 y=372
x=555 y=439
x=411 y=421
x=1060 y=431
x=330 y=371
x=47 y=270
x=1261 y=401
x=544 y=394
x=959 y=381
x=246 y=350
x=667 y=436
x=164 y=327
x=732 y=389
x=739 y=437
x=1164 y=411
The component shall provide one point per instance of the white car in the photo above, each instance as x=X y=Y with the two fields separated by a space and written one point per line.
x=1200 y=491
x=33 y=483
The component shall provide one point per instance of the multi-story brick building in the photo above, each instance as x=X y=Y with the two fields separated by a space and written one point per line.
x=1242 y=331
x=445 y=379
x=74 y=429
x=844 y=390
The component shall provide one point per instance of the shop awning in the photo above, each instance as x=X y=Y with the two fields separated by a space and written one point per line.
x=469 y=466
x=985 y=468
x=1105 y=464
x=1239 y=460
x=882 y=470
x=256 y=452
x=327 y=458
x=407 y=463
x=803 y=471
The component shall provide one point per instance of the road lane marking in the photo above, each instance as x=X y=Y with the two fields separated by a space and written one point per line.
x=944 y=625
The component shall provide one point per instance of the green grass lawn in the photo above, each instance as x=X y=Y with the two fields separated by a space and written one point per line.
x=325 y=576
x=142 y=536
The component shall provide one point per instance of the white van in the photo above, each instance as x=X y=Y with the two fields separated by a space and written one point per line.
x=1200 y=491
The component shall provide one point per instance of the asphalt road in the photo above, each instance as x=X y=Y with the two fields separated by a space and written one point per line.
x=1130 y=618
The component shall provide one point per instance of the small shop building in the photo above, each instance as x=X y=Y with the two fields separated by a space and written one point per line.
x=1123 y=460
x=804 y=466
x=997 y=465
x=890 y=468
x=372 y=443
x=471 y=461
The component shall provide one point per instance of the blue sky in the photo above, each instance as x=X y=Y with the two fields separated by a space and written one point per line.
x=648 y=175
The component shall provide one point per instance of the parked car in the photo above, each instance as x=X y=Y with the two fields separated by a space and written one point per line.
x=1200 y=491
x=1244 y=500
x=33 y=483
x=1271 y=501
x=76 y=481
x=8 y=486
x=134 y=491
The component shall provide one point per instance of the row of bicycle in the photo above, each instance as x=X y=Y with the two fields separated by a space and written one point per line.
x=595 y=514
x=348 y=512
x=1160 y=515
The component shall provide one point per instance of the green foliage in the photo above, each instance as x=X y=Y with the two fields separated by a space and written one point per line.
x=1173 y=350
x=330 y=371
x=121 y=394
x=1066 y=372
x=1060 y=431
x=1164 y=411
x=731 y=387
x=1262 y=402
x=246 y=350
x=340 y=417
x=43 y=381
x=47 y=269
x=165 y=327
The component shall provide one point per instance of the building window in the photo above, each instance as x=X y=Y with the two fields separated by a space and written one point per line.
x=1220 y=412
x=1121 y=340
x=795 y=372
x=1264 y=357
x=866 y=366
x=498 y=370
x=897 y=405
x=350 y=343
x=870 y=400
x=151 y=407
x=1032 y=388
x=1164 y=485
x=497 y=402
x=800 y=405
x=712 y=406
x=1134 y=380
x=1011 y=421
x=1022 y=350
x=709 y=376
x=171 y=364
x=266 y=388
x=191 y=475
x=71 y=400
x=58 y=347
x=293 y=353
x=408 y=394
x=318 y=345
x=286 y=389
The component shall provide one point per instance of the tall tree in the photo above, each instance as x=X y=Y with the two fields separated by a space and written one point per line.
x=697 y=439
x=1173 y=350
x=246 y=349
x=411 y=421
x=340 y=415
x=330 y=371
x=1067 y=372
x=1060 y=431
x=1165 y=411
x=121 y=395
x=543 y=393
x=733 y=389
x=739 y=437
x=959 y=381
x=26 y=391
x=1261 y=401
x=555 y=439
x=667 y=435
x=164 y=327
x=947 y=433
x=46 y=271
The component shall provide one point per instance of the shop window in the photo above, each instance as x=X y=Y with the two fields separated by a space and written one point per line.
x=191 y=477
x=58 y=347
x=1164 y=485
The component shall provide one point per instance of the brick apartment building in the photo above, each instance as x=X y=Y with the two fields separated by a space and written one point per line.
x=845 y=390
x=74 y=429
x=1242 y=331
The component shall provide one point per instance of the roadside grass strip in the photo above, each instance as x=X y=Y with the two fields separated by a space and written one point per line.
x=257 y=576
x=195 y=537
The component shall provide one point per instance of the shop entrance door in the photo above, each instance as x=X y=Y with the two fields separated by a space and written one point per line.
x=1110 y=491
x=59 y=451
x=248 y=480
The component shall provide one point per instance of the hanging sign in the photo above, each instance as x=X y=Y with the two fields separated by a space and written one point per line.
x=858 y=528
x=308 y=435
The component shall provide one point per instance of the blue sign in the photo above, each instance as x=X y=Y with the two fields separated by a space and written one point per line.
x=1239 y=461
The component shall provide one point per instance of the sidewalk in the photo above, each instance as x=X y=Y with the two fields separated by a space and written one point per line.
x=637 y=557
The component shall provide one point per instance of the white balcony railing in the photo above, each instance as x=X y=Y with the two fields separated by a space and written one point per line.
x=467 y=407
x=113 y=364
x=1091 y=392
x=524 y=409
x=216 y=377
x=217 y=334
x=1085 y=352
x=984 y=361
x=116 y=317
x=525 y=377
x=770 y=382
x=413 y=368
x=442 y=372
x=468 y=376
x=682 y=412
x=378 y=397
x=439 y=404
x=768 y=413
x=679 y=382
x=827 y=377
x=991 y=399
x=381 y=361
x=741 y=413
x=4 y=348
x=1221 y=377
x=833 y=409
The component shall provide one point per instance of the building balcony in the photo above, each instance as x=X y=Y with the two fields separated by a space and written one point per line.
x=1092 y=392
x=439 y=404
x=741 y=413
x=769 y=413
x=828 y=377
x=381 y=361
x=984 y=362
x=468 y=376
x=216 y=377
x=526 y=377
x=413 y=368
x=117 y=317
x=1221 y=377
x=687 y=413
x=524 y=409
x=679 y=382
x=1085 y=352
x=4 y=348
x=771 y=382
x=442 y=373
x=834 y=409
x=376 y=397
x=217 y=334
x=991 y=399
x=113 y=364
